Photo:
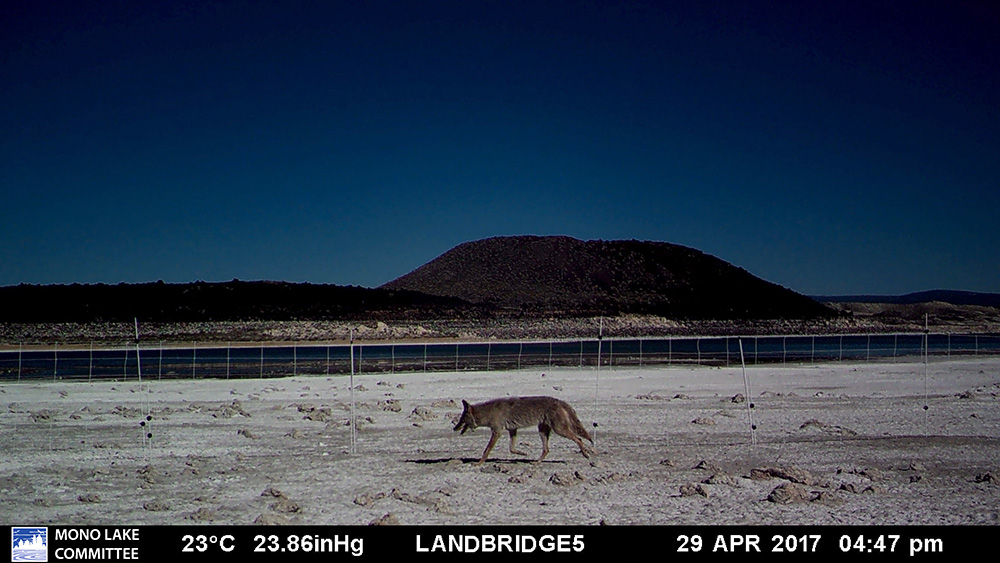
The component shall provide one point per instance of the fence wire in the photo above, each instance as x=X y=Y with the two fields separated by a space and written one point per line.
x=238 y=360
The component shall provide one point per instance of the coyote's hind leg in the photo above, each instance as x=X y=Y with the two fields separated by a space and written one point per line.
x=543 y=431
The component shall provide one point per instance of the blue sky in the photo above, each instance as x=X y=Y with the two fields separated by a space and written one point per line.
x=830 y=147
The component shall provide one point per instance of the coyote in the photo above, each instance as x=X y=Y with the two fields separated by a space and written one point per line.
x=512 y=413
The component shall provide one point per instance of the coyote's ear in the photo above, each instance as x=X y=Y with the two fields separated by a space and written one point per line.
x=465 y=404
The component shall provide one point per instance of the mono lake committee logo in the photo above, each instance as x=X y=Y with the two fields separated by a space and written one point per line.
x=29 y=544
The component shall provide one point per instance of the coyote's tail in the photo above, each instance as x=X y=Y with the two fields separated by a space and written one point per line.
x=580 y=429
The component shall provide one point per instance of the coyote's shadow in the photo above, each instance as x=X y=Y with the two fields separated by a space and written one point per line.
x=474 y=460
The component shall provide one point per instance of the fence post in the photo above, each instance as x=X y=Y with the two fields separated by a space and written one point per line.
x=19 y=346
x=229 y=346
x=456 y=357
x=489 y=351
x=640 y=352
x=784 y=349
x=425 y=358
x=90 y=367
x=262 y=361
x=519 y=350
x=55 y=361
x=392 y=353
x=194 y=357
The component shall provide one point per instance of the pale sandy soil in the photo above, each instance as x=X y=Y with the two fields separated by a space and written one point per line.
x=838 y=443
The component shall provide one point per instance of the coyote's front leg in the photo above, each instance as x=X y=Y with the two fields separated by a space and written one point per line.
x=489 y=447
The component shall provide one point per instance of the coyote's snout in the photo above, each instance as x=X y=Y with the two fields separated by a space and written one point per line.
x=548 y=413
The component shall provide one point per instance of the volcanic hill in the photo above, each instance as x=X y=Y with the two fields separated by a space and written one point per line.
x=559 y=275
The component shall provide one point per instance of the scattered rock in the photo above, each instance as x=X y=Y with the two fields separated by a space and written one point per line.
x=721 y=479
x=989 y=477
x=614 y=477
x=270 y=520
x=391 y=405
x=232 y=409
x=272 y=492
x=827 y=497
x=791 y=473
x=423 y=413
x=151 y=476
x=286 y=506
x=789 y=493
x=566 y=478
x=525 y=476
x=153 y=506
x=367 y=500
x=706 y=421
x=388 y=519
x=203 y=514
x=248 y=433
x=738 y=399
x=43 y=415
x=432 y=501
x=692 y=489
x=90 y=498
x=707 y=466
x=827 y=428
x=850 y=487
x=316 y=414
x=872 y=474
x=874 y=489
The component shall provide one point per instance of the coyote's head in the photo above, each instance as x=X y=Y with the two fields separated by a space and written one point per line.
x=468 y=420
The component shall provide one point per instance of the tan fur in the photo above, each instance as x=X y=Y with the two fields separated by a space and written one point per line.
x=548 y=413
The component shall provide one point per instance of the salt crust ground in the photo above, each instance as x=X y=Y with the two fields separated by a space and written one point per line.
x=835 y=444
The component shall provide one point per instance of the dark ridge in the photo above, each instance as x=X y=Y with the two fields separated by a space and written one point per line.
x=225 y=301
x=558 y=275
x=953 y=297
